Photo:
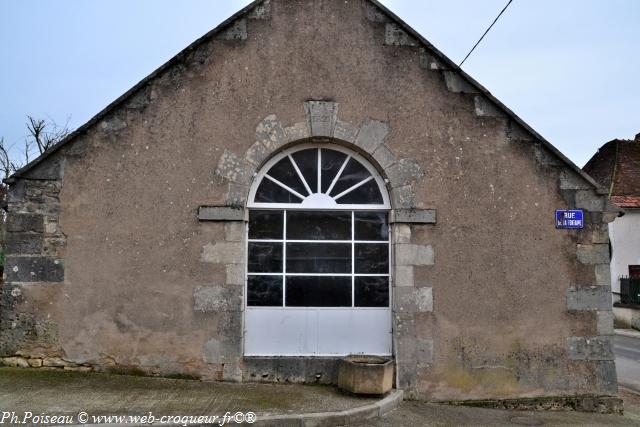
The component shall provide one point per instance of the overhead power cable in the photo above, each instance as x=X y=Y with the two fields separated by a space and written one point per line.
x=485 y=33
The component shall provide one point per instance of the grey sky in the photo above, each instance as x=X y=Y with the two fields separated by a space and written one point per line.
x=568 y=68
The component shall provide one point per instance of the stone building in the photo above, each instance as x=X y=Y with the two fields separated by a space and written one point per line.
x=308 y=180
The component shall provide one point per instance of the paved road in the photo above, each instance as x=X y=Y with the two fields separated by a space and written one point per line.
x=627 y=351
x=415 y=414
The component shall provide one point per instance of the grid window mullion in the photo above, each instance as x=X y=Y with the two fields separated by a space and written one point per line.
x=284 y=260
x=353 y=258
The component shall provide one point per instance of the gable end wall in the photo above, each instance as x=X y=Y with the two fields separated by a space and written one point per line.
x=489 y=301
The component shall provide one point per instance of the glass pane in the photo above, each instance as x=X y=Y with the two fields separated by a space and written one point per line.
x=372 y=258
x=352 y=174
x=264 y=291
x=371 y=292
x=371 y=226
x=318 y=258
x=284 y=172
x=303 y=225
x=368 y=193
x=265 y=257
x=265 y=224
x=307 y=161
x=270 y=192
x=331 y=162
x=318 y=291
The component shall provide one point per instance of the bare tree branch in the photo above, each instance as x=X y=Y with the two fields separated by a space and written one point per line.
x=5 y=161
x=45 y=134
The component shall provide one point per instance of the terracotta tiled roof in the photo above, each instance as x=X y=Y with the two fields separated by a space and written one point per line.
x=626 y=201
x=616 y=166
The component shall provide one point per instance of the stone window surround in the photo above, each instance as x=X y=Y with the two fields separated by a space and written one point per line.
x=322 y=125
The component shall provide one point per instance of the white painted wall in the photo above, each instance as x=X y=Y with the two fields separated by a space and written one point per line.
x=624 y=234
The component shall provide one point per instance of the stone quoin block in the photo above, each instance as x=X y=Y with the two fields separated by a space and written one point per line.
x=415 y=351
x=232 y=371
x=234 y=168
x=23 y=243
x=486 y=108
x=456 y=83
x=588 y=298
x=403 y=197
x=237 y=195
x=256 y=154
x=234 y=231
x=234 y=274
x=543 y=155
x=113 y=124
x=590 y=348
x=52 y=169
x=213 y=299
x=401 y=233
x=33 y=269
x=593 y=254
x=321 y=116
x=345 y=131
x=589 y=200
x=607 y=377
x=296 y=132
x=261 y=11
x=603 y=275
x=424 y=300
x=516 y=132
x=600 y=234
x=429 y=61
x=569 y=180
x=415 y=216
x=371 y=135
x=394 y=35
x=605 y=322
x=404 y=300
x=404 y=172
x=237 y=30
x=404 y=276
x=220 y=213
x=270 y=133
x=384 y=156
x=410 y=254
x=220 y=351
x=223 y=253
x=230 y=324
x=374 y=14
x=23 y=222
x=407 y=375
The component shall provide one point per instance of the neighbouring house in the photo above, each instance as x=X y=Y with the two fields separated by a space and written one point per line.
x=312 y=179
x=616 y=166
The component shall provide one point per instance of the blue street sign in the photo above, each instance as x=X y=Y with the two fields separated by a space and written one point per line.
x=569 y=219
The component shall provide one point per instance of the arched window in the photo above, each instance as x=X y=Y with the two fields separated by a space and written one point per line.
x=326 y=177
x=318 y=239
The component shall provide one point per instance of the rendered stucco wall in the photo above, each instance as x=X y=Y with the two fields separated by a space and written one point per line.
x=624 y=234
x=490 y=300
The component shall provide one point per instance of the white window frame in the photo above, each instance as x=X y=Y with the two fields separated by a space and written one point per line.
x=352 y=275
x=318 y=200
x=318 y=331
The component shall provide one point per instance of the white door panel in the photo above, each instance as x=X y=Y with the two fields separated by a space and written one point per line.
x=317 y=332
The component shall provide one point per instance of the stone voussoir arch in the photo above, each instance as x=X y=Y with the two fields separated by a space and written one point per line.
x=322 y=121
